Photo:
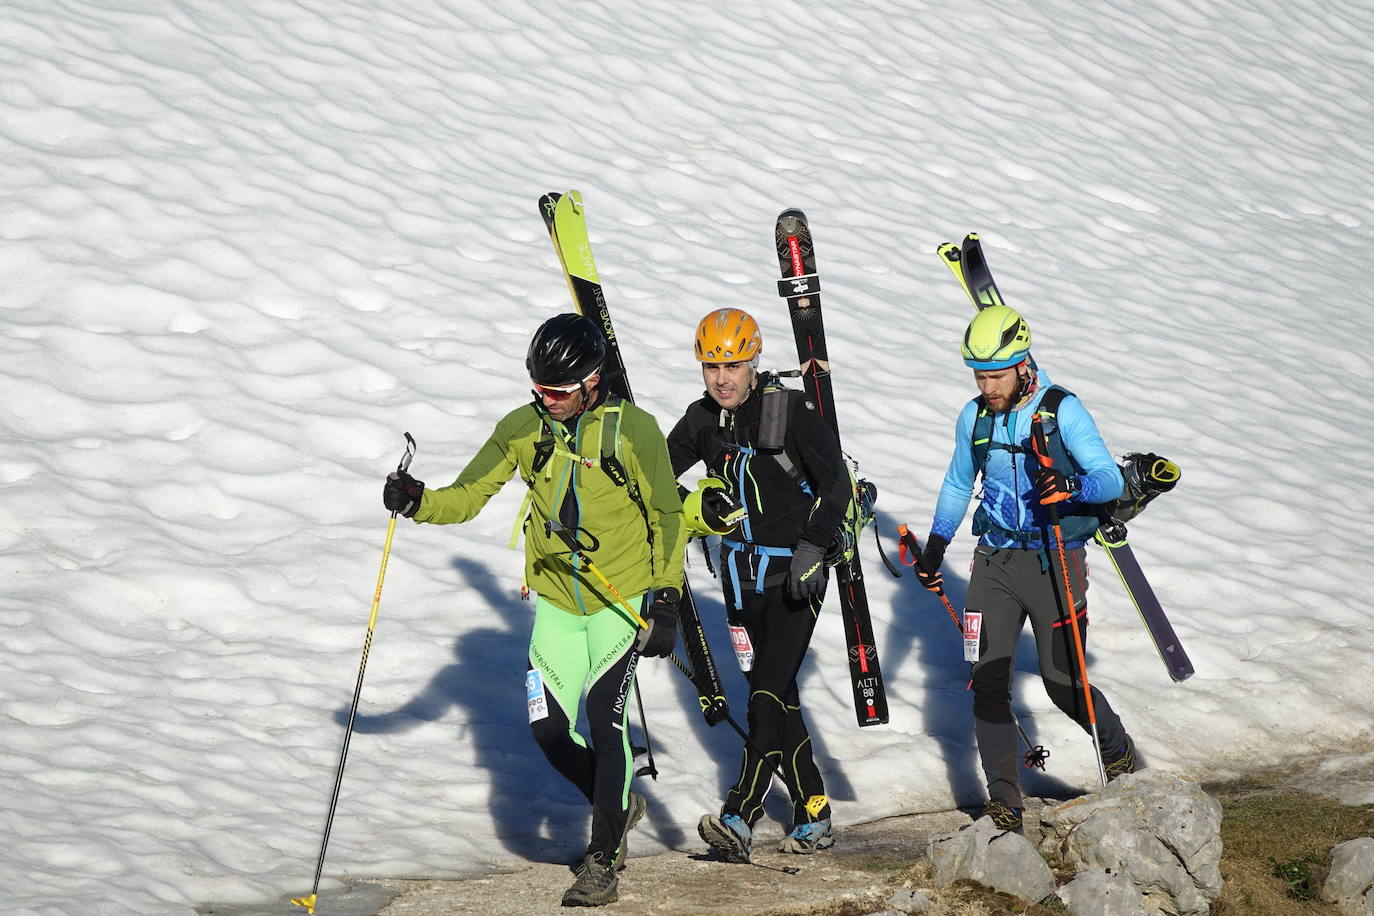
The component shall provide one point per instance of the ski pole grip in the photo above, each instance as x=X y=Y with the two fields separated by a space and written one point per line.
x=910 y=543
x=1040 y=446
x=907 y=544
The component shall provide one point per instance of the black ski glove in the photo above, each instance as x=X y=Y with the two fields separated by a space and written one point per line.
x=932 y=555
x=402 y=493
x=806 y=577
x=715 y=709
x=659 y=637
x=1054 y=485
x=720 y=510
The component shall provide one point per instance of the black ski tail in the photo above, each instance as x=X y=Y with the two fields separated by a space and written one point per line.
x=1112 y=537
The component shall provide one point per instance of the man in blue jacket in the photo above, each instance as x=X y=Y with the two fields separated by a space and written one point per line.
x=1015 y=573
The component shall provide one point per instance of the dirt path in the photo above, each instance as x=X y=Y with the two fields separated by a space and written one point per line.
x=863 y=867
x=686 y=883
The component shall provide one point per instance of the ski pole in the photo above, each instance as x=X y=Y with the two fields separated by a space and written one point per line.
x=1036 y=754
x=814 y=805
x=907 y=542
x=570 y=541
x=309 y=901
x=1040 y=447
x=648 y=769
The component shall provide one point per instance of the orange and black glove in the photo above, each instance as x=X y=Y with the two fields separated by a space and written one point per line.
x=1054 y=485
x=932 y=555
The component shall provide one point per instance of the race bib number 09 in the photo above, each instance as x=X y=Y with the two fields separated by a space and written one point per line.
x=744 y=649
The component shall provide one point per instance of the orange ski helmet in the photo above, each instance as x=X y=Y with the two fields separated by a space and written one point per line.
x=728 y=336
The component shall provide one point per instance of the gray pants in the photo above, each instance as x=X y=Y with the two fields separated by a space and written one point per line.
x=1008 y=586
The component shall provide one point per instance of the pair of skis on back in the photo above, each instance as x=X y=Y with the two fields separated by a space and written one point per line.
x=565 y=218
x=970 y=268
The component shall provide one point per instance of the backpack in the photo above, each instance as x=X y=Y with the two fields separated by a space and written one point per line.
x=1145 y=476
x=858 y=514
x=1078 y=521
x=609 y=461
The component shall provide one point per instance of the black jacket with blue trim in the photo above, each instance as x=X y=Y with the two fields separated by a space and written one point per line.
x=780 y=511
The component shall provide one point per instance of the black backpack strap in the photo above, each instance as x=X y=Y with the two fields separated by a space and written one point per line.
x=981 y=440
x=1049 y=410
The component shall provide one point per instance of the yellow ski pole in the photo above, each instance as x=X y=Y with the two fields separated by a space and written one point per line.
x=309 y=901
x=569 y=539
x=566 y=536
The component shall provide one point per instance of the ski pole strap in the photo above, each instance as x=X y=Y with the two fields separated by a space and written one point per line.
x=911 y=546
x=649 y=769
x=1041 y=446
x=907 y=546
x=520 y=518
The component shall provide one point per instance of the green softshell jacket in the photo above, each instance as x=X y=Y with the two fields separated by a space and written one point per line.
x=572 y=486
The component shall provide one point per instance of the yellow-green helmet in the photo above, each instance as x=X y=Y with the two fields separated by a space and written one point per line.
x=702 y=520
x=996 y=338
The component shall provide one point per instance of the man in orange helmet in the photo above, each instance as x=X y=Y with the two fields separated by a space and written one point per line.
x=768 y=452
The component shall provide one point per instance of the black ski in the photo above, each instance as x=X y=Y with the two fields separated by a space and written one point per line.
x=565 y=219
x=970 y=267
x=800 y=286
x=1112 y=537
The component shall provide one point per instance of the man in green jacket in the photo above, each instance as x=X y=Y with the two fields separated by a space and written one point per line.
x=597 y=467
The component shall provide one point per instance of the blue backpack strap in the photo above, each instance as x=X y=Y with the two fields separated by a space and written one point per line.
x=763 y=553
x=982 y=436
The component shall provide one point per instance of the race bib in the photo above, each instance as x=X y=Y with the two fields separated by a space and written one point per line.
x=744 y=649
x=534 y=696
x=973 y=633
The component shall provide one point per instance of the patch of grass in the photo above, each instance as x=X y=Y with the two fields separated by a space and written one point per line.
x=1276 y=847
x=1302 y=884
x=966 y=899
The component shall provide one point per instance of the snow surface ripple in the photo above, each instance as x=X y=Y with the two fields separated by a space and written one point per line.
x=246 y=246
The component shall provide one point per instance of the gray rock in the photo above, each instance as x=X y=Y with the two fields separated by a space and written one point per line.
x=1159 y=829
x=1351 y=877
x=1098 y=892
x=1005 y=862
x=910 y=902
x=1352 y=869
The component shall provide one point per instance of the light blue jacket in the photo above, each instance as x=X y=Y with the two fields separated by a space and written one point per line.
x=1009 y=495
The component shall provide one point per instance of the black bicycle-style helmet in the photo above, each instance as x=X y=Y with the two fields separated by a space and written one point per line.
x=565 y=350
